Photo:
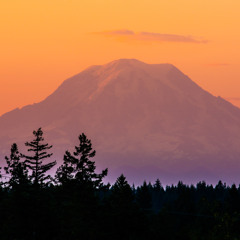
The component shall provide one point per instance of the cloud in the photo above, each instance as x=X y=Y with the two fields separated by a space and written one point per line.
x=168 y=37
x=151 y=36
x=117 y=32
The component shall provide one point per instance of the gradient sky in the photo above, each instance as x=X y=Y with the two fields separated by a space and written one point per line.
x=43 y=42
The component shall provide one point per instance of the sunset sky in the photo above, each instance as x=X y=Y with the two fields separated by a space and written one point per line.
x=43 y=42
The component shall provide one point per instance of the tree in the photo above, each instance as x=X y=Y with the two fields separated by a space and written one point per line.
x=35 y=162
x=79 y=167
x=126 y=219
x=122 y=193
x=0 y=176
x=144 y=197
x=157 y=186
x=15 y=168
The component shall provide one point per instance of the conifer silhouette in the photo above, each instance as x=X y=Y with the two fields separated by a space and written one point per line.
x=79 y=167
x=17 y=171
x=157 y=186
x=35 y=162
x=144 y=196
x=121 y=191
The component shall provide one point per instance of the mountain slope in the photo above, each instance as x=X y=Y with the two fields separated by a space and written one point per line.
x=147 y=119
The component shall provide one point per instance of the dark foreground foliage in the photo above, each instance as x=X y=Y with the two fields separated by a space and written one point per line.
x=77 y=205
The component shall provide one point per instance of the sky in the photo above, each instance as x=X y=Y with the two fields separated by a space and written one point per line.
x=43 y=42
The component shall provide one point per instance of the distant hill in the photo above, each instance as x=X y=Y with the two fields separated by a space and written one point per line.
x=146 y=120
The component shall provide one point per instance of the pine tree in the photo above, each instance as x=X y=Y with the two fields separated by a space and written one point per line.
x=17 y=171
x=157 y=186
x=144 y=196
x=122 y=193
x=124 y=210
x=79 y=167
x=157 y=196
x=35 y=162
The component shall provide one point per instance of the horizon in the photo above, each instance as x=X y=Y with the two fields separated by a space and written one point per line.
x=181 y=122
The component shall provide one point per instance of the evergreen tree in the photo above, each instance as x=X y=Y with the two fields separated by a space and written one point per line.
x=157 y=186
x=122 y=193
x=79 y=167
x=126 y=220
x=144 y=196
x=0 y=177
x=157 y=196
x=35 y=162
x=17 y=171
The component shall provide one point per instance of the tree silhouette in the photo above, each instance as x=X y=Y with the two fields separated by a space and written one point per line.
x=79 y=167
x=157 y=186
x=126 y=218
x=35 y=162
x=15 y=168
x=122 y=193
x=157 y=196
x=144 y=197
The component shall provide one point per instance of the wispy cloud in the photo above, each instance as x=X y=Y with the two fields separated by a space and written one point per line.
x=117 y=32
x=168 y=37
x=151 y=36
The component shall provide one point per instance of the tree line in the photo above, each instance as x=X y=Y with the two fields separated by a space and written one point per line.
x=76 y=204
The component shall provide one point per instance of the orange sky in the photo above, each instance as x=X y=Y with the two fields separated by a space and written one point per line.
x=43 y=42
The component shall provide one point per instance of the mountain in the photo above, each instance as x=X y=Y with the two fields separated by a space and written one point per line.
x=146 y=120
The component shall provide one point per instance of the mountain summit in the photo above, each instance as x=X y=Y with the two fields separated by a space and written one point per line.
x=147 y=120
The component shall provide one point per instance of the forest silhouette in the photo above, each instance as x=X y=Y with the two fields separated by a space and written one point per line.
x=75 y=203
